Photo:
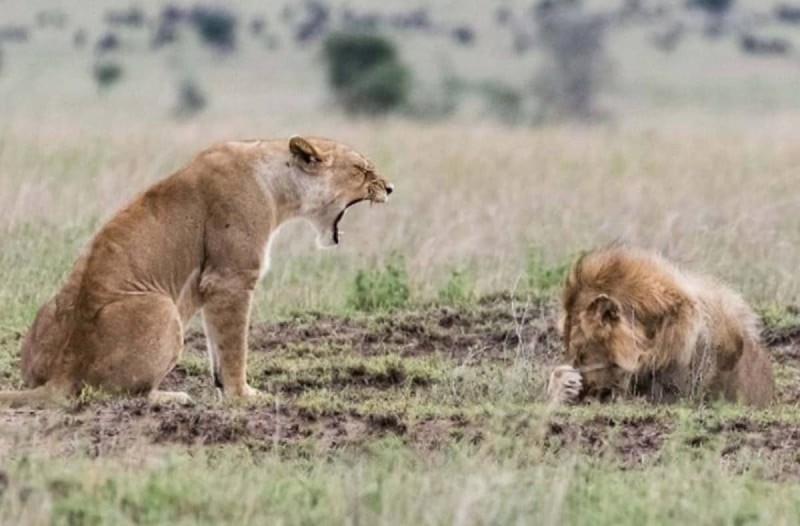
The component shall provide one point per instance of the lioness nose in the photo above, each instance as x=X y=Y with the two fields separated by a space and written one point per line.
x=389 y=188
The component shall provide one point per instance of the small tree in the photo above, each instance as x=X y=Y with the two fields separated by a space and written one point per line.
x=365 y=73
x=576 y=67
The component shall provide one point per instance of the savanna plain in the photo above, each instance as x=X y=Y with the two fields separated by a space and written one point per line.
x=405 y=370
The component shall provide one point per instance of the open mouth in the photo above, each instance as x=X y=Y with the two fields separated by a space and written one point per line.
x=339 y=218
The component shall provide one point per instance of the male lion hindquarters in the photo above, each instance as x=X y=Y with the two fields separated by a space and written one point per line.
x=752 y=379
x=633 y=322
x=193 y=242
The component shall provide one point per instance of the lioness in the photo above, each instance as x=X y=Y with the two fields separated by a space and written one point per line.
x=633 y=322
x=196 y=241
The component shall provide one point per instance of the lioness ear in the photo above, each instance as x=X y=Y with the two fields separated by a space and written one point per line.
x=304 y=151
x=604 y=309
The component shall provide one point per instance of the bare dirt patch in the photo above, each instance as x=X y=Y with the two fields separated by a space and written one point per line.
x=490 y=334
x=495 y=328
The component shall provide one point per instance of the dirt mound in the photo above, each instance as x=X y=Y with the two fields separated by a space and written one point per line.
x=497 y=328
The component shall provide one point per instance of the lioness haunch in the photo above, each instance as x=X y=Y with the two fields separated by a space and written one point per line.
x=195 y=241
x=635 y=323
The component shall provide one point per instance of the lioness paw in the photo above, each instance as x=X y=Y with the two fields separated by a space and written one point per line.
x=565 y=385
x=245 y=392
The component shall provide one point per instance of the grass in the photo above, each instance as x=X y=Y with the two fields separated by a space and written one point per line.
x=361 y=431
x=392 y=485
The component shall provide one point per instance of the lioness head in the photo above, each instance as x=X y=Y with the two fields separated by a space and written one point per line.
x=333 y=178
x=601 y=343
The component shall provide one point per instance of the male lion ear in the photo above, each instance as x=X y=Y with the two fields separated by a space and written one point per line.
x=604 y=309
x=304 y=151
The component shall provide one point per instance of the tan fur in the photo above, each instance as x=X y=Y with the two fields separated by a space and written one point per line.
x=195 y=241
x=635 y=322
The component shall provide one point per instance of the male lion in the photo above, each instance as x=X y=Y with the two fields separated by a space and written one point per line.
x=196 y=241
x=633 y=322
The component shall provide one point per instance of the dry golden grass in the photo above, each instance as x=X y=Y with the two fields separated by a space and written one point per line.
x=471 y=197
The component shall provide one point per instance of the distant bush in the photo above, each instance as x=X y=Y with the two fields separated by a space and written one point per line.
x=106 y=43
x=315 y=22
x=106 y=74
x=257 y=26
x=216 y=26
x=53 y=18
x=380 y=289
x=788 y=13
x=712 y=6
x=668 y=38
x=14 y=34
x=79 y=38
x=365 y=73
x=191 y=100
x=764 y=46
x=464 y=35
x=166 y=29
x=130 y=17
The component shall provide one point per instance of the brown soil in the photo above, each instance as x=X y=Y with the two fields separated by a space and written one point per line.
x=495 y=331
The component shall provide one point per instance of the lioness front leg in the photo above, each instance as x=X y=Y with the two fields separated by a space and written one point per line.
x=226 y=315
x=565 y=385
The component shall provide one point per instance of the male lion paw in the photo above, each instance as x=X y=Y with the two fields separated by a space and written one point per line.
x=565 y=385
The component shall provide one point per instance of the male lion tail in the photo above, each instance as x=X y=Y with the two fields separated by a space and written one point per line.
x=44 y=395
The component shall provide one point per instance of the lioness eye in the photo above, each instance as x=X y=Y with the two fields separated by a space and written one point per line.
x=364 y=173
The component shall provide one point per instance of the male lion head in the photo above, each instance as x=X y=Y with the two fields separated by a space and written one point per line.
x=333 y=178
x=601 y=344
x=625 y=314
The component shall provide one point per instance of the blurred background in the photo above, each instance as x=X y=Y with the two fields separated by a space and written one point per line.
x=517 y=133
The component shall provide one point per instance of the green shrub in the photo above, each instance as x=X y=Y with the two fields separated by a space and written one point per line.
x=106 y=74
x=365 y=73
x=216 y=26
x=458 y=288
x=542 y=278
x=380 y=289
